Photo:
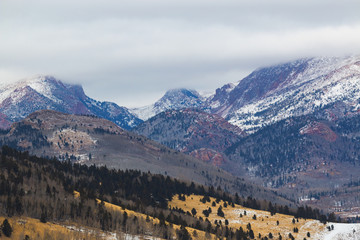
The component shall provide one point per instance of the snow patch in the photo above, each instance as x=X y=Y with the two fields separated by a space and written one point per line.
x=341 y=231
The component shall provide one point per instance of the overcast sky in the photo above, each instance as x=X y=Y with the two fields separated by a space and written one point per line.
x=131 y=52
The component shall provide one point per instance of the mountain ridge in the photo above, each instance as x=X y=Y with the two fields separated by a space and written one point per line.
x=295 y=88
x=18 y=100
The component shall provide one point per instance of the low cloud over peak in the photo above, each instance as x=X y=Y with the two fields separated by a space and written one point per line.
x=133 y=51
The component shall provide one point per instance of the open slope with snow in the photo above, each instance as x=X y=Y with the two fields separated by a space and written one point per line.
x=341 y=231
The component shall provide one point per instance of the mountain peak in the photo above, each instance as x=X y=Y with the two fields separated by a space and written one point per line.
x=296 y=88
x=173 y=99
x=177 y=92
x=18 y=100
x=39 y=79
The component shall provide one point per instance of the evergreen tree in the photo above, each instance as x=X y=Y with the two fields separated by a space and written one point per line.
x=251 y=234
x=6 y=228
x=193 y=211
x=183 y=234
x=206 y=213
x=125 y=217
x=43 y=217
x=220 y=212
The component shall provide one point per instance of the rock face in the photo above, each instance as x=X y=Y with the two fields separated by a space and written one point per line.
x=20 y=99
x=192 y=131
x=292 y=89
x=172 y=100
x=209 y=155
x=5 y=123
x=319 y=129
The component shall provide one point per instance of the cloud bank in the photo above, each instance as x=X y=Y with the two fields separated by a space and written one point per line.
x=131 y=52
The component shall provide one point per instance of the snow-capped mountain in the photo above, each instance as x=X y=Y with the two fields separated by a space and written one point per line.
x=172 y=100
x=292 y=89
x=19 y=99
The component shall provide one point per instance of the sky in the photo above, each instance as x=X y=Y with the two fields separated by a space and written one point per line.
x=131 y=52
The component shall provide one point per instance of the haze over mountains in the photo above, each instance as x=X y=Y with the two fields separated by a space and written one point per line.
x=301 y=120
x=270 y=94
x=265 y=96
x=291 y=127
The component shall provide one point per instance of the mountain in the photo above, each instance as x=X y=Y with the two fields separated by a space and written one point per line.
x=296 y=88
x=308 y=156
x=202 y=135
x=19 y=99
x=172 y=100
x=91 y=140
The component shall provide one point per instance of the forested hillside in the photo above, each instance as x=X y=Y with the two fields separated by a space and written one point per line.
x=94 y=141
x=44 y=189
x=199 y=134
x=308 y=157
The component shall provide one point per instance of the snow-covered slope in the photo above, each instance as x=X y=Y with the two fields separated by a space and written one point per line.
x=296 y=88
x=19 y=99
x=340 y=231
x=172 y=100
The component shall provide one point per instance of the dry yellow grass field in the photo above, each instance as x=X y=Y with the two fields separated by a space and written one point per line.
x=264 y=223
x=113 y=207
x=109 y=206
x=35 y=229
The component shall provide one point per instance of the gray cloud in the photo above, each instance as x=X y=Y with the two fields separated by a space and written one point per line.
x=131 y=52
